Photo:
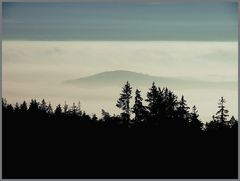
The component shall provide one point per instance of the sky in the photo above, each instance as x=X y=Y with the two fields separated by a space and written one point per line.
x=120 y=21
x=47 y=43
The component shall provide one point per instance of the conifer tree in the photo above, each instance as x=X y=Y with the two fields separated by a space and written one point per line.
x=23 y=107
x=105 y=115
x=49 y=109
x=138 y=109
x=17 y=108
x=152 y=98
x=195 y=123
x=232 y=122
x=183 y=108
x=65 y=108
x=34 y=106
x=171 y=104
x=124 y=100
x=43 y=106
x=222 y=115
x=74 y=109
x=58 y=110
x=4 y=103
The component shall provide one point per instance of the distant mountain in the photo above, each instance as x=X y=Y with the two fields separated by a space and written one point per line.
x=120 y=77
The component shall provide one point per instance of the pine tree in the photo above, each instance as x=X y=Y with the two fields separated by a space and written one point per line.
x=65 y=108
x=49 y=109
x=152 y=98
x=23 y=107
x=79 y=109
x=138 y=109
x=94 y=118
x=43 y=106
x=34 y=106
x=182 y=114
x=221 y=115
x=10 y=108
x=17 y=108
x=105 y=115
x=232 y=122
x=195 y=123
x=124 y=100
x=183 y=108
x=4 y=103
x=58 y=110
x=171 y=104
x=74 y=109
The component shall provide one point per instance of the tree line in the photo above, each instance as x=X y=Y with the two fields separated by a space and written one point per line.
x=159 y=138
x=163 y=110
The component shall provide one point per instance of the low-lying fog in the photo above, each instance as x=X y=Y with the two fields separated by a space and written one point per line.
x=37 y=69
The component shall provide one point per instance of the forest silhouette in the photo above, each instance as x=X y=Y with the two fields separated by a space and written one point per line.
x=163 y=139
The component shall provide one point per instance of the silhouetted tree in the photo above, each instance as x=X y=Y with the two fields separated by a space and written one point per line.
x=73 y=109
x=10 y=108
x=65 y=108
x=105 y=115
x=182 y=113
x=221 y=115
x=138 y=108
x=43 y=106
x=23 y=107
x=152 y=98
x=124 y=101
x=49 y=109
x=171 y=104
x=4 y=103
x=232 y=122
x=79 y=109
x=17 y=108
x=212 y=125
x=195 y=123
x=58 y=110
x=94 y=118
x=34 y=106
x=183 y=108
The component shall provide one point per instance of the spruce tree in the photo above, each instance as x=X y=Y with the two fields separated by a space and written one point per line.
x=232 y=122
x=124 y=100
x=17 y=108
x=43 y=106
x=65 y=108
x=58 y=110
x=138 y=108
x=105 y=115
x=183 y=108
x=195 y=123
x=152 y=98
x=49 y=109
x=23 y=107
x=4 y=103
x=171 y=104
x=34 y=106
x=182 y=114
x=222 y=115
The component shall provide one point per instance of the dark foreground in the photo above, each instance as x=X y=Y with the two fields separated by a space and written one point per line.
x=65 y=151
x=163 y=140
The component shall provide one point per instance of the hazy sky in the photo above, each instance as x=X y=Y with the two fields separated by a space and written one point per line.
x=120 y=21
x=190 y=41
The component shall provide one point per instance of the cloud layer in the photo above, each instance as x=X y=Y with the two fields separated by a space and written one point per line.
x=37 y=68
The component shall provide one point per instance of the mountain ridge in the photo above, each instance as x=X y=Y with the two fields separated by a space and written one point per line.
x=120 y=77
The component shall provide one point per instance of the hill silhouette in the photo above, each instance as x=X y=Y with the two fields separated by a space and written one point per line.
x=119 y=77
